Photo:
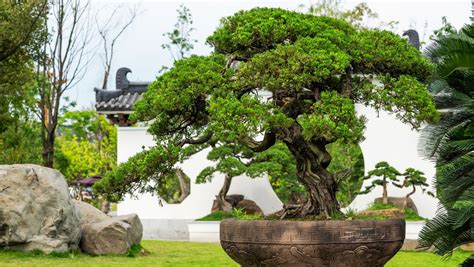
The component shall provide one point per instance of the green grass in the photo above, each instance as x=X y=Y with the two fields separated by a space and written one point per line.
x=173 y=253
x=234 y=214
x=216 y=216
x=426 y=259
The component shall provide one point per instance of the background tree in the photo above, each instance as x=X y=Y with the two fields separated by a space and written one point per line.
x=110 y=32
x=20 y=33
x=180 y=41
x=296 y=81
x=86 y=145
x=450 y=143
x=359 y=16
x=388 y=175
x=21 y=23
x=21 y=28
x=413 y=178
x=66 y=53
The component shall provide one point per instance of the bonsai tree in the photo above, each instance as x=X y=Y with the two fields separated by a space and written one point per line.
x=388 y=175
x=230 y=163
x=231 y=160
x=279 y=76
x=413 y=178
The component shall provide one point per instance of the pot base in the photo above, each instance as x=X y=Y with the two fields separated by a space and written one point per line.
x=312 y=243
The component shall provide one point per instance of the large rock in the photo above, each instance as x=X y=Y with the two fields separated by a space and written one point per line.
x=89 y=213
x=112 y=236
x=399 y=202
x=36 y=210
x=249 y=206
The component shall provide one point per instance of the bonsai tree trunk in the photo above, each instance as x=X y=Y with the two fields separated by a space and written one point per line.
x=408 y=196
x=385 y=193
x=312 y=159
x=183 y=185
x=221 y=203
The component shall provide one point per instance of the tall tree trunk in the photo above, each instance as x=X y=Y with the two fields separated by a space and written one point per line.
x=221 y=203
x=385 y=192
x=48 y=148
x=312 y=159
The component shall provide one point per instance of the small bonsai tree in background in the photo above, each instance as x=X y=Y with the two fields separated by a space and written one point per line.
x=387 y=174
x=279 y=76
x=231 y=160
x=413 y=178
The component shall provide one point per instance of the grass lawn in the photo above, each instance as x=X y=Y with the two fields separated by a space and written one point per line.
x=171 y=253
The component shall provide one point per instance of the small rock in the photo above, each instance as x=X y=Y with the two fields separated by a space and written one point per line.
x=234 y=199
x=106 y=237
x=136 y=232
x=112 y=236
x=249 y=206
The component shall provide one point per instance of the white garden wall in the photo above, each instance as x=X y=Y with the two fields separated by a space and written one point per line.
x=387 y=139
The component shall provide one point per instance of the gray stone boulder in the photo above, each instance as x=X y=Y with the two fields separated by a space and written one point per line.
x=36 y=210
x=136 y=232
x=249 y=206
x=89 y=213
x=112 y=236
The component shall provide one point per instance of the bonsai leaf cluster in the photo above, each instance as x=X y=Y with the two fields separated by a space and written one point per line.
x=278 y=76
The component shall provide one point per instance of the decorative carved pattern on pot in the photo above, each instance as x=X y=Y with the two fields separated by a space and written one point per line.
x=312 y=243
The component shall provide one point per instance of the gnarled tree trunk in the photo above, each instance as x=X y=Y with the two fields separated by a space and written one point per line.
x=183 y=185
x=312 y=159
x=221 y=203
x=408 y=196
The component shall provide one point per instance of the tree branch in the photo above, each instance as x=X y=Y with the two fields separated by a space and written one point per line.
x=268 y=141
x=198 y=141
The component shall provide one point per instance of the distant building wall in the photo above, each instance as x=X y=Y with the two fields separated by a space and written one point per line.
x=387 y=139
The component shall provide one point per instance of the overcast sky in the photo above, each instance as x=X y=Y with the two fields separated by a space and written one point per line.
x=139 y=48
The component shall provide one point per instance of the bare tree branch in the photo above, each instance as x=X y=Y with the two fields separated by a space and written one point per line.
x=109 y=39
x=67 y=53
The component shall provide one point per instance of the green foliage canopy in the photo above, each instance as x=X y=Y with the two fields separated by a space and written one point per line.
x=279 y=75
x=21 y=33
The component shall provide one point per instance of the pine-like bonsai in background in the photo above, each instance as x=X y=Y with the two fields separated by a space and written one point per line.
x=387 y=174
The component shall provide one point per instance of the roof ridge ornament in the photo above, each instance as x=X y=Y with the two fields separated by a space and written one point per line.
x=121 y=81
x=413 y=38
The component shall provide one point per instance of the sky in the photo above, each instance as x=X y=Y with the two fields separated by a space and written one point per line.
x=139 y=48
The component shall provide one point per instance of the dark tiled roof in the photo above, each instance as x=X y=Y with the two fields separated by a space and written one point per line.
x=122 y=99
x=123 y=102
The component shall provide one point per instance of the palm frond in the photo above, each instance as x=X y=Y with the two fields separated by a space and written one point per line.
x=434 y=136
x=440 y=234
